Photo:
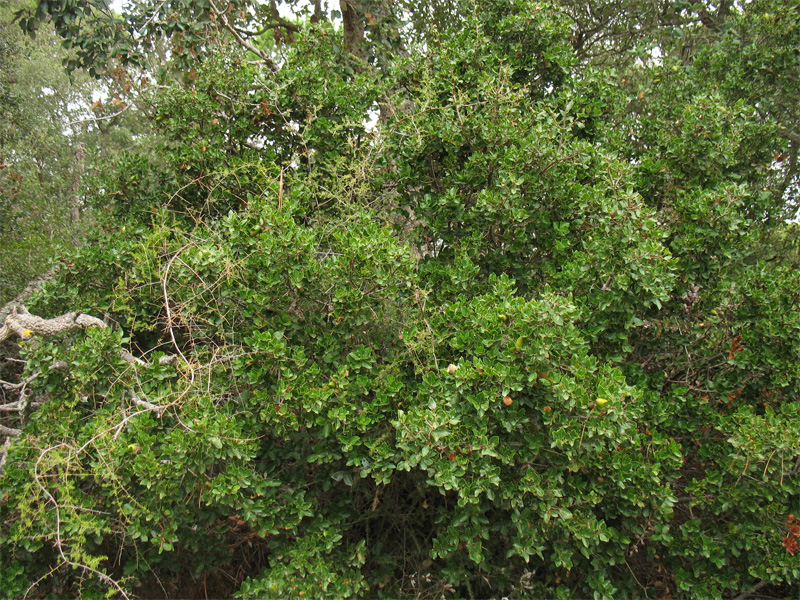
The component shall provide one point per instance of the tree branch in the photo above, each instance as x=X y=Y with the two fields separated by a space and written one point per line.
x=32 y=287
x=758 y=586
x=159 y=410
x=4 y=453
x=789 y=134
x=288 y=25
x=223 y=18
x=24 y=324
x=10 y=431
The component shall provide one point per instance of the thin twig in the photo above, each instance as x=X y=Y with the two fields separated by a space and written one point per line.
x=59 y=545
x=169 y=312
x=243 y=42
x=280 y=191
x=96 y=119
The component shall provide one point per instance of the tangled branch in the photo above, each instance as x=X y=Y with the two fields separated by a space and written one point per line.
x=25 y=325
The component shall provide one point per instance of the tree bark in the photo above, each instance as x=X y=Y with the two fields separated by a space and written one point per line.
x=32 y=287
x=353 y=26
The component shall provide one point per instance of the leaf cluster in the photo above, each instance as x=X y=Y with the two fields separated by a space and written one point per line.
x=533 y=333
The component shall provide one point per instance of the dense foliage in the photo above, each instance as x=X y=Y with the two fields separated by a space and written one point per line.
x=505 y=302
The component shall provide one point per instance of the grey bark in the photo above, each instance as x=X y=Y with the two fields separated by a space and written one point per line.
x=29 y=290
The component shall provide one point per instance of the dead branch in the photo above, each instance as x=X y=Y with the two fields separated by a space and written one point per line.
x=4 y=453
x=10 y=431
x=159 y=410
x=58 y=536
x=222 y=17
x=29 y=290
x=24 y=324
x=15 y=386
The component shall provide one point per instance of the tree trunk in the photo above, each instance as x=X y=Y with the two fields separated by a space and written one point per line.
x=367 y=21
x=353 y=21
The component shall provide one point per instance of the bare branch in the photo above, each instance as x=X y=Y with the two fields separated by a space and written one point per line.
x=24 y=324
x=15 y=386
x=4 y=453
x=32 y=287
x=10 y=431
x=58 y=541
x=96 y=119
x=223 y=18
x=159 y=410
x=169 y=312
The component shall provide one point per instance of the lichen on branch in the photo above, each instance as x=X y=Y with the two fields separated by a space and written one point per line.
x=24 y=324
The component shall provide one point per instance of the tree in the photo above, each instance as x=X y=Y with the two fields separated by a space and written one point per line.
x=38 y=162
x=49 y=140
x=533 y=334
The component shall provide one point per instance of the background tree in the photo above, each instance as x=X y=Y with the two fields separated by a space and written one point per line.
x=54 y=130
